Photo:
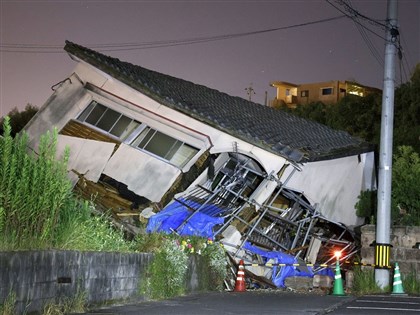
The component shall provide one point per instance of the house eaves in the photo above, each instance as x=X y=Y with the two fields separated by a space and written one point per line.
x=281 y=133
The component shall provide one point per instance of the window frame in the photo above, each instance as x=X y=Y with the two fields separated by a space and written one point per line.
x=132 y=137
x=304 y=93
x=327 y=89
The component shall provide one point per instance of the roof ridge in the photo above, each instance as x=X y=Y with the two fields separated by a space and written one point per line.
x=285 y=134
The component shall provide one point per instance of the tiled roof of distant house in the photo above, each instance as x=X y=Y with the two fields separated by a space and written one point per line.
x=274 y=130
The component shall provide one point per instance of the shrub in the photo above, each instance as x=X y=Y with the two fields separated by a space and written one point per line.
x=405 y=187
x=34 y=190
x=166 y=276
x=38 y=209
x=405 y=204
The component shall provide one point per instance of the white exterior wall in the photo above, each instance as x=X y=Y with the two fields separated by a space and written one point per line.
x=335 y=185
x=71 y=98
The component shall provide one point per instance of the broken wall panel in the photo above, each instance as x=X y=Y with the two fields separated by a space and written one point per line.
x=143 y=174
x=335 y=185
x=75 y=128
x=87 y=157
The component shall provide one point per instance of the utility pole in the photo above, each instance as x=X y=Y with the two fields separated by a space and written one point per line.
x=249 y=90
x=383 y=224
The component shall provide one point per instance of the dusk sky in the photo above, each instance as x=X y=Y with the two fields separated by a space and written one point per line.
x=33 y=33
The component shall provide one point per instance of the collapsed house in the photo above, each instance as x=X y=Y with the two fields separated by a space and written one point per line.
x=271 y=186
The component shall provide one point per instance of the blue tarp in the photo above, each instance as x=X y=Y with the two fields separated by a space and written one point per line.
x=202 y=223
x=279 y=258
x=279 y=276
x=174 y=214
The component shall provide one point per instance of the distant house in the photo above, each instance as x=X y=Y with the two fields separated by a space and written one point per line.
x=139 y=138
x=329 y=92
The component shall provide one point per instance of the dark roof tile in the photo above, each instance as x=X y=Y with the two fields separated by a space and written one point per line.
x=279 y=132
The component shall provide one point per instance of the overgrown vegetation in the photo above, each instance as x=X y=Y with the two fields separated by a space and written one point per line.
x=411 y=283
x=405 y=202
x=364 y=282
x=37 y=207
x=166 y=276
x=38 y=210
x=8 y=306
x=64 y=306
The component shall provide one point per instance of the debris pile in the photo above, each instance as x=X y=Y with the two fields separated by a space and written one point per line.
x=281 y=238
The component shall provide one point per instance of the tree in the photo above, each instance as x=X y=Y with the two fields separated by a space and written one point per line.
x=18 y=119
x=316 y=111
x=405 y=187
x=407 y=112
x=359 y=116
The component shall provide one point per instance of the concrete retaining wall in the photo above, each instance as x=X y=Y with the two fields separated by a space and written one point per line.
x=38 y=277
x=403 y=238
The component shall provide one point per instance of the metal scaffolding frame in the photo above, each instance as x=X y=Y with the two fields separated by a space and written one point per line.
x=270 y=227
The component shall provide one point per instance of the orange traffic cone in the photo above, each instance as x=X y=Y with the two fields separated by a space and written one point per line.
x=240 y=285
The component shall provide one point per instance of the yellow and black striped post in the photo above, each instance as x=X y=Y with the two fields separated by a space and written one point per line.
x=382 y=255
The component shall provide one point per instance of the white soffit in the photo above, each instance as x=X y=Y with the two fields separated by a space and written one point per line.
x=143 y=174
x=87 y=157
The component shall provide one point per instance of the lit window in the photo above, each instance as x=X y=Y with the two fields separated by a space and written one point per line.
x=304 y=93
x=327 y=91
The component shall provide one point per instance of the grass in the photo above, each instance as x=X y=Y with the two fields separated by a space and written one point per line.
x=411 y=283
x=364 y=283
x=66 y=306
x=38 y=211
x=75 y=304
x=8 y=308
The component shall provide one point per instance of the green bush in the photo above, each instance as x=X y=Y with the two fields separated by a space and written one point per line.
x=405 y=203
x=405 y=187
x=166 y=276
x=38 y=209
x=33 y=189
x=366 y=206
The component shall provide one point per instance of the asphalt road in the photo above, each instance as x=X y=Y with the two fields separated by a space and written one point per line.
x=380 y=304
x=225 y=303
x=269 y=302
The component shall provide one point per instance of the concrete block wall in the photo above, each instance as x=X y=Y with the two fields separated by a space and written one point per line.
x=38 y=277
x=403 y=238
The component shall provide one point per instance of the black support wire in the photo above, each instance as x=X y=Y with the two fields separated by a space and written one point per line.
x=38 y=48
x=352 y=17
x=366 y=39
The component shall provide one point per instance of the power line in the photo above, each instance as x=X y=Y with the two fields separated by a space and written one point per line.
x=408 y=57
x=367 y=40
x=38 y=48
x=355 y=20
x=357 y=14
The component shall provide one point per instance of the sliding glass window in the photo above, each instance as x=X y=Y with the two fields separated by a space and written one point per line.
x=138 y=134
